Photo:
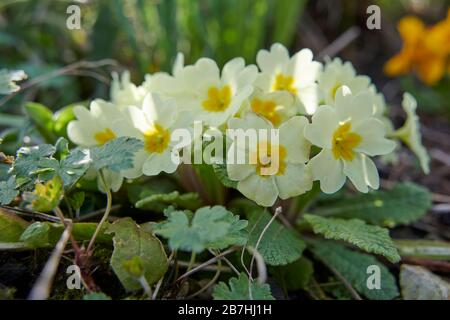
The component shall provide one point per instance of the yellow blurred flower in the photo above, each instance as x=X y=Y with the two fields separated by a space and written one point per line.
x=425 y=50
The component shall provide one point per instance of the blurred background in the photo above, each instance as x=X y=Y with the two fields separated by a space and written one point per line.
x=144 y=36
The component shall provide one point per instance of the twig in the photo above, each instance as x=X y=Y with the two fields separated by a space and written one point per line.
x=340 y=43
x=93 y=214
x=60 y=72
x=105 y=216
x=227 y=262
x=207 y=263
x=42 y=287
x=255 y=250
x=349 y=287
x=209 y=284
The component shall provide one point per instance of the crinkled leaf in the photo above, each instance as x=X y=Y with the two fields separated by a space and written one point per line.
x=417 y=283
x=242 y=289
x=279 y=245
x=159 y=202
x=11 y=226
x=8 y=191
x=8 y=80
x=403 y=204
x=211 y=227
x=221 y=172
x=116 y=155
x=131 y=241
x=353 y=266
x=372 y=239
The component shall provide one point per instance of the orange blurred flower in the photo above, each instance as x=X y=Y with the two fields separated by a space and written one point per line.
x=425 y=50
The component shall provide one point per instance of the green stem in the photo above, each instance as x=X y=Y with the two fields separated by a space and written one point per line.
x=192 y=261
x=107 y=211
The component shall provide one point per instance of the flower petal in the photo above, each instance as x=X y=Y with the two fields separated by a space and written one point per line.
x=328 y=170
x=261 y=190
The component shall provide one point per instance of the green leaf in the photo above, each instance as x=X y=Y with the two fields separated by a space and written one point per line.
x=131 y=241
x=96 y=296
x=221 y=172
x=425 y=249
x=211 y=227
x=403 y=204
x=279 y=245
x=242 y=289
x=73 y=167
x=417 y=283
x=11 y=226
x=353 y=267
x=28 y=163
x=8 y=191
x=116 y=155
x=295 y=275
x=372 y=239
x=42 y=118
x=46 y=234
x=159 y=202
x=8 y=80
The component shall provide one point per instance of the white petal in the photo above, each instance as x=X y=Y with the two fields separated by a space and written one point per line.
x=159 y=162
x=159 y=111
x=324 y=123
x=328 y=170
x=303 y=68
x=357 y=108
x=293 y=139
x=362 y=172
x=238 y=172
x=261 y=190
x=309 y=97
x=373 y=142
x=269 y=61
x=232 y=68
x=81 y=133
x=140 y=157
x=295 y=180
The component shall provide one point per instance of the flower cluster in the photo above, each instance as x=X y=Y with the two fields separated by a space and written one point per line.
x=330 y=121
x=426 y=50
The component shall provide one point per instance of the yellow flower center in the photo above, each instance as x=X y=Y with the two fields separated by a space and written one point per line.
x=266 y=108
x=104 y=136
x=285 y=83
x=156 y=139
x=269 y=159
x=218 y=99
x=344 y=141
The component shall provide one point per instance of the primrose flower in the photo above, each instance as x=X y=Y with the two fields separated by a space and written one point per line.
x=425 y=50
x=275 y=107
x=409 y=133
x=274 y=168
x=93 y=127
x=124 y=93
x=337 y=74
x=153 y=124
x=212 y=96
x=348 y=135
x=296 y=74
